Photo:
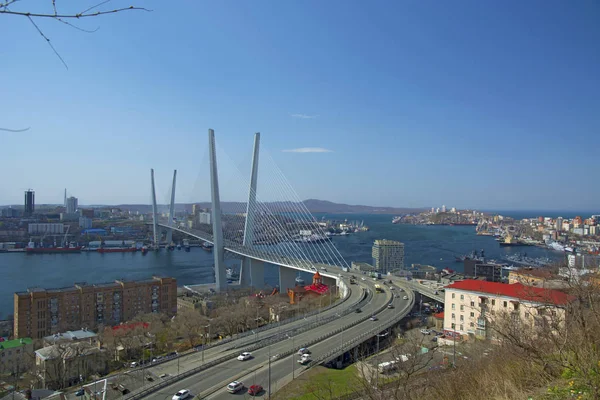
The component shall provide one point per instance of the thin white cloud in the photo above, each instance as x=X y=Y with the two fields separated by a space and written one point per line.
x=303 y=116
x=308 y=150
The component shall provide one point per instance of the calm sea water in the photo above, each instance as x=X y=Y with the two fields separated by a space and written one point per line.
x=433 y=245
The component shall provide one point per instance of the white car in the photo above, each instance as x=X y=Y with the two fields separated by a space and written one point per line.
x=391 y=288
x=373 y=318
x=405 y=298
x=305 y=359
x=425 y=331
x=363 y=278
x=244 y=356
x=235 y=387
x=303 y=351
x=182 y=394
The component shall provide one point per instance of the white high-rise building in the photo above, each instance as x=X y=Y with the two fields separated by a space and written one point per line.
x=204 y=218
x=443 y=209
x=388 y=255
x=71 y=205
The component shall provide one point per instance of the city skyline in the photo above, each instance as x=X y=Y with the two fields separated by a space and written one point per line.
x=490 y=109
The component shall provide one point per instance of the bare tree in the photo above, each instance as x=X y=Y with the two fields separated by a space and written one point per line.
x=189 y=324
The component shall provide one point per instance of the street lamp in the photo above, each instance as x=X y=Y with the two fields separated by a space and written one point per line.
x=204 y=345
x=377 y=358
x=293 y=348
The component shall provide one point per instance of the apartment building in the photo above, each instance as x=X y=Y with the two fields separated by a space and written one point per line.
x=42 y=312
x=471 y=305
x=388 y=255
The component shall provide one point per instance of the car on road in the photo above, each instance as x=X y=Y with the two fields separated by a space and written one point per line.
x=133 y=365
x=182 y=394
x=358 y=311
x=373 y=318
x=304 y=350
x=436 y=293
x=392 y=288
x=390 y=306
x=244 y=356
x=425 y=331
x=305 y=359
x=172 y=354
x=80 y=392
x=405 y=298
x=255 y=390
x=235 y=387
x=363 y=278
x=323 y=269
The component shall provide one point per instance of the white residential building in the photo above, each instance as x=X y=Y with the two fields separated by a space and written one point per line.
x=470 y=305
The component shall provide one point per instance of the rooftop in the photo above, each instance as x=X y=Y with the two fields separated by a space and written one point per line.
x=534 y=272
x=10 y=344
x=66 y=351
x=71 y=335
x=515 y=290
x=387 y=242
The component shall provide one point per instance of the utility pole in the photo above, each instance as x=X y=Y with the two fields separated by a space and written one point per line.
x=269 y=371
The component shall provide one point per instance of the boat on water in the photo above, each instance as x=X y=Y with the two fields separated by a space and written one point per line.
x=557 y=246
x=179 y=246
x=396 y=220
x=132 y=249
x=186 y=245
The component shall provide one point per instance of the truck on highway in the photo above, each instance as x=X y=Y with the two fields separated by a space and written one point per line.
x=378 y=289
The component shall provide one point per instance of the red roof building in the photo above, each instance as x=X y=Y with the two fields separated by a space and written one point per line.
x=470 y=305
x=515 y=290
x=316 y=288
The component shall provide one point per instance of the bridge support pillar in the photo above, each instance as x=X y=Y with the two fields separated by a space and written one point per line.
x=331 y=282
x=287 y=279
x=220 y=277
x=172 y=211
x=253 y=273
x=154 y=216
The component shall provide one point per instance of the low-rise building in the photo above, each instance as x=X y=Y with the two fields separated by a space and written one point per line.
x=64 y=365
x=16 y=355
x=471 y=305
x=82 y=335
x=482 y=270
x=540 y=277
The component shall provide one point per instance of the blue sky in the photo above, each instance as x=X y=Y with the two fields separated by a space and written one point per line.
x=421 y=103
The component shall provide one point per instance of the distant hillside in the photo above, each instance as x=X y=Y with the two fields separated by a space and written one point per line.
x=313 y=205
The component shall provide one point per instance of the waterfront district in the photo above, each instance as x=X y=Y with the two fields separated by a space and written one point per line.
x=105 y=321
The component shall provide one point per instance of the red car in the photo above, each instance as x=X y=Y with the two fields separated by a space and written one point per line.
x=255 y=390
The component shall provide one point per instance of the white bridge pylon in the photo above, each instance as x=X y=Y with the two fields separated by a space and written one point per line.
x=289 y=252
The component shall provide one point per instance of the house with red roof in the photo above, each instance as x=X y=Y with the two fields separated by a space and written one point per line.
x=470 y=306
x=317 y=288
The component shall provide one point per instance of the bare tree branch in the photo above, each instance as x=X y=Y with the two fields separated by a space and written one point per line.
x=77 y=15
x=48 y=41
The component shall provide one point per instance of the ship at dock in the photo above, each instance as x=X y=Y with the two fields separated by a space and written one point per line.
x=42 y=249
x=132 y=249
x=65 y=247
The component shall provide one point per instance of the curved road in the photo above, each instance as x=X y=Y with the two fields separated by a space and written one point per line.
x=193 y=360
x=220 y=375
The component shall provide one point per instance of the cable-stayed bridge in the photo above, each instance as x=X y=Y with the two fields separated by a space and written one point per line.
x=281 y=233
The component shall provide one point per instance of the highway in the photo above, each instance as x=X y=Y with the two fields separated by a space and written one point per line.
x=281 y=369
x=194 y=359
x=220 y=375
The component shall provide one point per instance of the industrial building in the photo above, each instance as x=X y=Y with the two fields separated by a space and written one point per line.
x=388 y=255
x=42 y=312
x=46 y=228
